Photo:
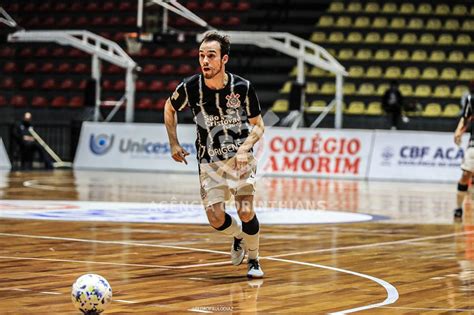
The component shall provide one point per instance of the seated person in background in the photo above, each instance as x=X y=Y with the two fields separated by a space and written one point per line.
x=28 y=145
x=392 y=104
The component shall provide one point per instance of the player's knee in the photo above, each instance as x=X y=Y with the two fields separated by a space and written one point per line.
x=246 y=214
x=215 y=216
x=251 y=227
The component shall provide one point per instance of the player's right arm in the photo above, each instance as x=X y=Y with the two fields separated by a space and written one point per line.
x=171 y=121
x=463 y=121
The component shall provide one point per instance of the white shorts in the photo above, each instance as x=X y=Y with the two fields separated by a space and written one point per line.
x=220 y=180
x=468 y=161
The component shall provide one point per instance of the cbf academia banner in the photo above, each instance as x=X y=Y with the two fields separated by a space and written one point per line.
x=4 y=160
x=410 y=155
x=124 y=146
x=316 y=152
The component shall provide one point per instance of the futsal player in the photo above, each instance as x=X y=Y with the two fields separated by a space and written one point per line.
x=228 y=120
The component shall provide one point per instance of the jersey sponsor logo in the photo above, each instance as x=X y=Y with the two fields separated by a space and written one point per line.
x=233 y=100
x=101 y=144
x=175 y=95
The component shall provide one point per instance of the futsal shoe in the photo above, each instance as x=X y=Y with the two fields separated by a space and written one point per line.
x=254 y=269
x=237 y=251
x=458 y=213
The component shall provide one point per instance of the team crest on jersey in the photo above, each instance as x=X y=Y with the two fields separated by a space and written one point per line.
x=233 y=100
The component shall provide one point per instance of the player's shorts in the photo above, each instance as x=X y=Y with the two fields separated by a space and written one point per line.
x=219 y=180
x=468 y=161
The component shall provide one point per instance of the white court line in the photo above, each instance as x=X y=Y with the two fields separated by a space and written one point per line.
x=124 y=301
x=392 y=293
x=50 y=293
x=405 y=241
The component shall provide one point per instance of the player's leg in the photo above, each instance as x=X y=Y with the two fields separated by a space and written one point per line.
x=250 y=232
x=463 y=186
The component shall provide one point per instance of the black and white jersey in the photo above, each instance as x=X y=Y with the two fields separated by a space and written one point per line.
x=221 y=116
x=467 y=114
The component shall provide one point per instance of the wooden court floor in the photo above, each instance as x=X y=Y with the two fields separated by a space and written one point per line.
x=415 y=261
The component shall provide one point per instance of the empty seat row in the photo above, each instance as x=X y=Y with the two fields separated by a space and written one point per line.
x=401 y=8
x=42 y=101
x=71 y=6
x=417 y=55
x=391 y=38
x=395 y=23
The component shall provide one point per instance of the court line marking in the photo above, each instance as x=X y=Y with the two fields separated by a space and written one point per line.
x=404 y=241
x=392 y=293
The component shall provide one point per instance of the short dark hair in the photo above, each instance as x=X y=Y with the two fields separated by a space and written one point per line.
x=223 y=40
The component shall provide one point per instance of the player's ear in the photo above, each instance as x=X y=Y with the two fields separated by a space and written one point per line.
x=225 y=59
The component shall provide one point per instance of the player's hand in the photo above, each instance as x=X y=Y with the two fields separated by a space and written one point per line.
x=457 y=138
x=179 y=154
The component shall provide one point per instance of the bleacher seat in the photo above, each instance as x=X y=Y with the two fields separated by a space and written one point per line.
x=442 y=91
x=437 y=56
x=280 y=106
x=432 y=110
x=423 y=90
x=451 y=111
x=374 y=109
x=355 y=108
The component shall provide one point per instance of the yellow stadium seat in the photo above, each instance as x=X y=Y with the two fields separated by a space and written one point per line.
x=459 y=90
x=364 y=54
x=406 y=89
x=374 y=109
x=390 y=38
x=407 y=8
x=427 y=39
x=380 y=22
x=280 y=106
x=451 y=110
x=366 y=89
x=336 y=7
x=433 y=24
x=349 y=88
x=392 y=72
x=397 y=23
x=445 y=39
x=355 y=108
x=442 y=9
x=328 y=88
x=356 y=71
x=442 y=91
x=424 y=8
x=344 y=21
x=286 y=88
x=451 y=24
x=437 y=56
x=294 y=71
x=415 y=24
x=470 y=56
x=419 y=55
x=318 y=37
x=374 y=72
x=432 y=110
x=345 y=54
x=429 y=73
x=466 y=74
x=423 y=90
x=382 y=54
x=316 y=107
x=401 y=55
x=311 y=88
x=382 y=88
x=456 y=56
x=463 y=39
x=468 y=25
x=362 y=22
x=354 y=7
x=459 y=9
x=411 y=73
x=372 y=38
x=326 y=20
x=409 y=38
x=354 y=37
x=449 y=74
x=389 y=7
x=372 y=7
x=317 y=72
x=336 y=37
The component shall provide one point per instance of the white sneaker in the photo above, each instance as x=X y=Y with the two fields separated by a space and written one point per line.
x=237 y=251
x=254 y=269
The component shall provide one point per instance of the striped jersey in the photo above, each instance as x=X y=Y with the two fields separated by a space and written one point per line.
x=221 y=116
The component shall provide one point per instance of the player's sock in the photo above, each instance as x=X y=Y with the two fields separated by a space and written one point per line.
x=230 y=226
x=250 y=232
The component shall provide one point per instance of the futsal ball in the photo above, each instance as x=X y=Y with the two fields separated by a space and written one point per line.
x=91 y=294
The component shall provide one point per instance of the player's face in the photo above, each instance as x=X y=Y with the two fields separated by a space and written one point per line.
x=210 y=59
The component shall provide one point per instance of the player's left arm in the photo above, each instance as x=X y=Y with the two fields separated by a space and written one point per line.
x=255 y=135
